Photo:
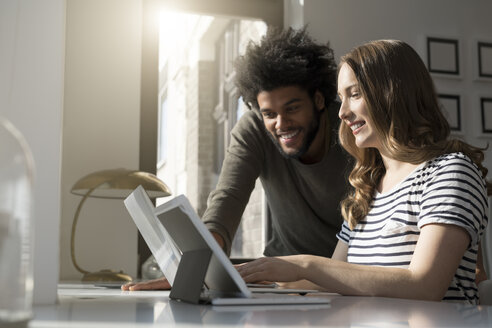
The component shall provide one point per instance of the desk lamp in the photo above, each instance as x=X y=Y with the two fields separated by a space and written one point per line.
x=112 y=184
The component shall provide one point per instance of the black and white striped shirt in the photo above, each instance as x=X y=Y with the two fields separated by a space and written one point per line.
x=448 y=190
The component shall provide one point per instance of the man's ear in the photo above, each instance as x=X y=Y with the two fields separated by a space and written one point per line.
x=319 y=100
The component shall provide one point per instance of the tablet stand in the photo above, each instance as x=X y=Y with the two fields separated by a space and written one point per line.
x=190 y=275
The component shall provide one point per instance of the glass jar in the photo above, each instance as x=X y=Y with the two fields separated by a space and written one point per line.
x=16 y=244
x=150 y=269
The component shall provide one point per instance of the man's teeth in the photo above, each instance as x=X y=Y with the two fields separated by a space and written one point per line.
x=290 y=135
x=357 y=125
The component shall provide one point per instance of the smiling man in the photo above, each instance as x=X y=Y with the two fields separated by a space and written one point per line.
x=288 y=139
x=292 y=121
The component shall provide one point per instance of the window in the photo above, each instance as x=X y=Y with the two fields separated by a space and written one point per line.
x=198 y=107
x=162 y=135
x=250 y=236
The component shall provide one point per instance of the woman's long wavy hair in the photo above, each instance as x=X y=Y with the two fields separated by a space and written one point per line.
x=403 y=107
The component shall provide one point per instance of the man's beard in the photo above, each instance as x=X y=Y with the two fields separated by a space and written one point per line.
x=310 y=134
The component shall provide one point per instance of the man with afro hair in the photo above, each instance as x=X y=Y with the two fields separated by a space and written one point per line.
x=288 y=139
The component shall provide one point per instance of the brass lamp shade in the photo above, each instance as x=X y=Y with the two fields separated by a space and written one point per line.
x=113 y=184
x=119 y=183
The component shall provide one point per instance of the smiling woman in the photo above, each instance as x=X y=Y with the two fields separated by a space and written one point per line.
x=418 y=209
x=353 y=109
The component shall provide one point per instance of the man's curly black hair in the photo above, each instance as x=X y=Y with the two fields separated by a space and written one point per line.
x=286 y=58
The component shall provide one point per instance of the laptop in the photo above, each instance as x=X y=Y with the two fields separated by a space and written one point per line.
x=194 y=264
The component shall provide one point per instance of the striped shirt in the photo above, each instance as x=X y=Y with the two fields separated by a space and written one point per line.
x=447 y=190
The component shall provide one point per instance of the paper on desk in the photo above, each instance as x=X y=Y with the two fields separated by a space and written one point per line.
x=160 y=244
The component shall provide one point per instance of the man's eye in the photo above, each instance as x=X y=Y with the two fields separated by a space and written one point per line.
x=268 y=115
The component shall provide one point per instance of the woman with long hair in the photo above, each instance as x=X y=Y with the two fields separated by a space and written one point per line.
x=418 y=208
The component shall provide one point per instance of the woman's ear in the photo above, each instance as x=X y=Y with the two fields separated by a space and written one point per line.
x=319 y=100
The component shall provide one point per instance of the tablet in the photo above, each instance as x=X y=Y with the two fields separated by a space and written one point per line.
x=189 y=256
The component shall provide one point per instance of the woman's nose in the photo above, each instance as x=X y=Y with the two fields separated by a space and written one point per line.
x=343 y=112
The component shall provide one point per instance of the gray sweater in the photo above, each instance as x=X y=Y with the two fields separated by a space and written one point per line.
x=303 y=199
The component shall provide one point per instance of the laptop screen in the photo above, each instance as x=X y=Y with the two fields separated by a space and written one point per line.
x=175 y=234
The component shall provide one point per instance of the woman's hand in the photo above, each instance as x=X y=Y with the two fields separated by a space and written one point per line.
x=281 y=269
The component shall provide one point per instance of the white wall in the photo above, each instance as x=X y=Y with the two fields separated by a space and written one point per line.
x=101 y=129
x=346 y=24
x=349 y=23
x=100 y=122
x=32 y=35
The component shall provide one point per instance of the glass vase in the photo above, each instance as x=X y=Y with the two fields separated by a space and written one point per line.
x=16 y=244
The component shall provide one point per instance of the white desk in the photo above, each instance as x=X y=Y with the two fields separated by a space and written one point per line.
x=111 y=308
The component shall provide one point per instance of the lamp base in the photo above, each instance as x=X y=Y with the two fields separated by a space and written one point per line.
x=106 y=275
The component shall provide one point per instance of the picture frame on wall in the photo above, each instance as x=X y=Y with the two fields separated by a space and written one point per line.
x=486 y=114
x=484 y=60
x=451 y=108
x=443 y=56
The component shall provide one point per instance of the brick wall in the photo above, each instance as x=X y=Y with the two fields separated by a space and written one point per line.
x=249 y=238
x=206 y=128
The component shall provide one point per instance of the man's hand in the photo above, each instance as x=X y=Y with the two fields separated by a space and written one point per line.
x=160 y=283
x=219 y=239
